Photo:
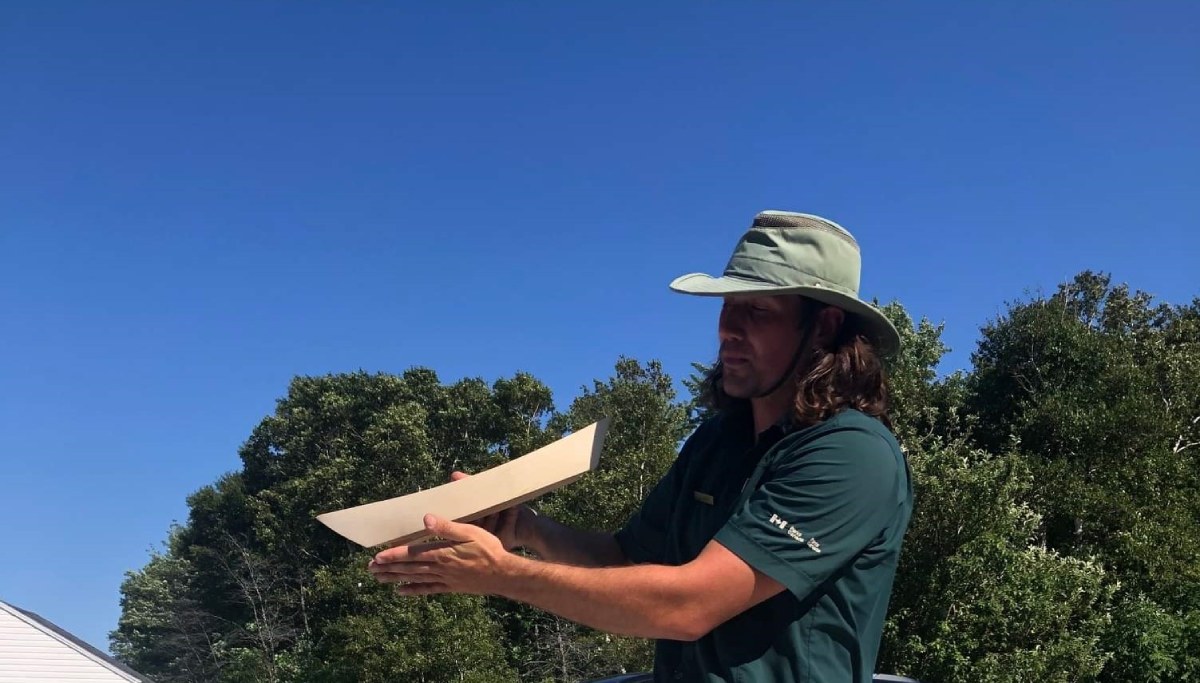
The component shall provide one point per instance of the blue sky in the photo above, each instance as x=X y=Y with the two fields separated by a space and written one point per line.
x=200 y=201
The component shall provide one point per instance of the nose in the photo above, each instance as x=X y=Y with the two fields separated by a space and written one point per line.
x=730 y=324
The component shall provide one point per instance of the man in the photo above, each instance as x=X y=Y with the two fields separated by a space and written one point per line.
x=767 y=552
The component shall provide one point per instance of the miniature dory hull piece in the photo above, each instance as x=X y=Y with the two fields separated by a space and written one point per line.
x=399 y=521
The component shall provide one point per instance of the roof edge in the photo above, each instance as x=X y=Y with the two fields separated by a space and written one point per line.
x=74 y=642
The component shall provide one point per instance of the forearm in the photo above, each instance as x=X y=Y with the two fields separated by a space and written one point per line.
x=647 y=601
x=559 y=543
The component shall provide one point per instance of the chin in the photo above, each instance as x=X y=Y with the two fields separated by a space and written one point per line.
x=737 y=391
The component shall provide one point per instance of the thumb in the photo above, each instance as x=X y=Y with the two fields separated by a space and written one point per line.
x=451 y=530
x=456 y=475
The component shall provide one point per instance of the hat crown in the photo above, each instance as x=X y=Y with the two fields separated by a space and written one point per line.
x=796 y=249
x=785 y=253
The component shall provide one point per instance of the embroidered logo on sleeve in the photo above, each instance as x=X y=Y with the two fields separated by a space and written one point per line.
x=794 y=533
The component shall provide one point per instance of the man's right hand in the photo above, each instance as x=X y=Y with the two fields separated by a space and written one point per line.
x=514 y=526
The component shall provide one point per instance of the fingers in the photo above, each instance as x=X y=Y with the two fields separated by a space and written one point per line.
x=411 y=553
x=421 y=588
x=454 y=534
x=405 y=573
x=454 y=531
x=460 y=563
x=400 y=568
x=502 y=525
x=506 y=525
x=490 y=524
x=408 y=578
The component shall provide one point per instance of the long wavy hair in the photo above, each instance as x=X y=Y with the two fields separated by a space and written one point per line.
x=847 y=373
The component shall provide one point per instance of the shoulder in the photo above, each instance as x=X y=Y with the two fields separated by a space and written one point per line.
x=850 y=426
x=850 y=438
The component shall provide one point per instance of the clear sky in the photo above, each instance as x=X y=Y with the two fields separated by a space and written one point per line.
x=199 y=201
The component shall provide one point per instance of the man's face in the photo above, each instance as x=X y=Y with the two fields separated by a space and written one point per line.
x=759 y=336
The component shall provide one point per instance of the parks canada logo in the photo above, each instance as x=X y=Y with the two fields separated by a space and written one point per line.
x=794 y=533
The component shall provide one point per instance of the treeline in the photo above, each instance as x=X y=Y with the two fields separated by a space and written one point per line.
x=1056 y=535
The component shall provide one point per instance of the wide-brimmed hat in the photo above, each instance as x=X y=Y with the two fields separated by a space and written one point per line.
x=797 y=253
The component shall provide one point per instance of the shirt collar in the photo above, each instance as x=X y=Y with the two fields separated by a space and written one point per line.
x=741 y=421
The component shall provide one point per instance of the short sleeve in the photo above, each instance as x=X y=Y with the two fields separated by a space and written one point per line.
x=817 y=508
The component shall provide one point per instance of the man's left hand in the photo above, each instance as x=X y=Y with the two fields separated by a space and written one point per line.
x=469 y=560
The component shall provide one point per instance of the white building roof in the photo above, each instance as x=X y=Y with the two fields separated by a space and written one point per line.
x=33 y=649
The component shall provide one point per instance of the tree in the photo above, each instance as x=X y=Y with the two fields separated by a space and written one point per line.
x=279 y=596
x=1055 y=534
x=976 y=597
x=1096 y=385
x=161 y=628
x=647 y=423
x=272 y=595
x=646 y=427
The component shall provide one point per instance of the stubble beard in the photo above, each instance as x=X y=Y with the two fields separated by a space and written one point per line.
x=741 y=384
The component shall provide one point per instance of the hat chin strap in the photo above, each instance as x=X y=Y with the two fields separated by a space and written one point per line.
x=791 y=368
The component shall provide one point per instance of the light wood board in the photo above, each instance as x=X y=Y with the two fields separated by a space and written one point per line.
x=399 y=521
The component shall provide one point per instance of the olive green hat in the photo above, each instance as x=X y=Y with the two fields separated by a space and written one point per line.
x=797 y=253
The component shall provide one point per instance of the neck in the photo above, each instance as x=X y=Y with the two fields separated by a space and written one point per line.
x=770 y=409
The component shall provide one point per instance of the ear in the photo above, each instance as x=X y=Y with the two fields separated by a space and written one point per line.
x=829 y=323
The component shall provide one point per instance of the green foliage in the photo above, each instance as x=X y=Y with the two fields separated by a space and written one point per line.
x=645 y=430
x=1148 y=642
x=922 y=406
x=376 y=636
x=1095 y=385
x=976 y=598
x=252 y=588
x=162 y=628
x=1056 y=533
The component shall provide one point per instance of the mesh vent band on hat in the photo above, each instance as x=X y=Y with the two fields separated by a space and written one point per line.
x=799 y=220
x=785 y=220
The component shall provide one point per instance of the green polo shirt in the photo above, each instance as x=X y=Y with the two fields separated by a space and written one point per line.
x=822 y=510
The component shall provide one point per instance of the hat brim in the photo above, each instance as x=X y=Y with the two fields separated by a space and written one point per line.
x=875 y=324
